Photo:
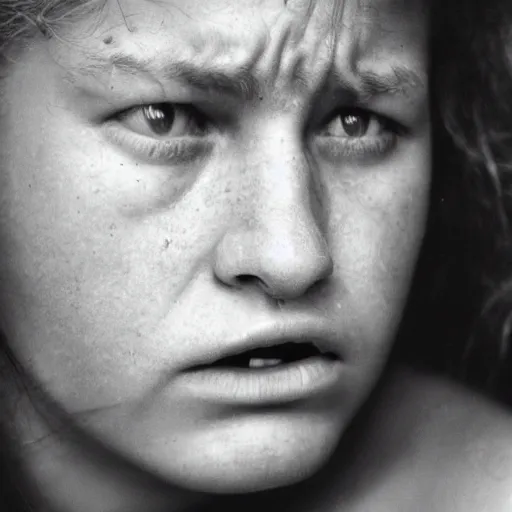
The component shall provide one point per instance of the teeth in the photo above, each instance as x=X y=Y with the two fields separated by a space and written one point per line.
x=255 y=362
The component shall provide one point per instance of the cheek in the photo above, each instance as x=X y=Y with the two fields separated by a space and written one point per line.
x=80 y=281
x=96 y=253
x=85 y=221
x=377 y=235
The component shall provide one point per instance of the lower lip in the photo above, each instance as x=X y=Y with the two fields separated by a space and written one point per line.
x=279 y=384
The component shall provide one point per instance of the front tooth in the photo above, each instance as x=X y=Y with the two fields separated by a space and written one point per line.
x=255 y=362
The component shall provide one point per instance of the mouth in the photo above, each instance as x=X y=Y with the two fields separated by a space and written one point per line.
x=271 y=370
x=271 y=357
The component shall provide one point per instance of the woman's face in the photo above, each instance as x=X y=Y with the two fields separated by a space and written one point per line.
x=183 y=181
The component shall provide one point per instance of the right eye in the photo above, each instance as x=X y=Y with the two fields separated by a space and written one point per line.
x=165 y=120
x=167 y=133
x=358 y=133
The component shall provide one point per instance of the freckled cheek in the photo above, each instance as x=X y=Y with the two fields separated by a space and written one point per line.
x=67 y=242
x=92 y=237
x=376 y=238
x=93 y=284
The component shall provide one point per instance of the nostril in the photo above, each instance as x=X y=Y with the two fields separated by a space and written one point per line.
x=246 y=279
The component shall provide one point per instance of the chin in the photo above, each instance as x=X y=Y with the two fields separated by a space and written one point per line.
x=251 y=455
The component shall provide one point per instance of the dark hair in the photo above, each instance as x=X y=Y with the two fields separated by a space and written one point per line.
x=479 y=120
x=460 y=313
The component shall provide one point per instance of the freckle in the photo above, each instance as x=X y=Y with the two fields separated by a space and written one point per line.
x=29 y=185
x=167 y=242
x=108 y=40
x=111 y=87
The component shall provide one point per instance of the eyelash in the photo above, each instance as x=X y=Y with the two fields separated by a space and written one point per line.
x=188 y=148
x=176 y=150
x=357 y=148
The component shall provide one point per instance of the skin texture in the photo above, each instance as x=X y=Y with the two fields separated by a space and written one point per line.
x=132 y=264
x=424 y=444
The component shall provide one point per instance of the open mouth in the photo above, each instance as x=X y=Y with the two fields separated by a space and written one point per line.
x=265 y=357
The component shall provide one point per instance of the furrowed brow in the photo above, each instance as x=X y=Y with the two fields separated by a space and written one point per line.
x=242 y=84
x=239 y=83
x=399 y=80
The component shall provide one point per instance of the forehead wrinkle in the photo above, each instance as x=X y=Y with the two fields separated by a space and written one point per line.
x=317 y=26
x=208 y=56
x=209 y=68
x=226 y=67
x=329 y=12
x=331 y=46
x=400 y=80
x=397 y=80
x=296 y=59
x=238 y=82
x=211 y=59
x=355 y=71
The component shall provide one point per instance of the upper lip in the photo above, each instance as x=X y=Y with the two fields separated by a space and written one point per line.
x=326 y=340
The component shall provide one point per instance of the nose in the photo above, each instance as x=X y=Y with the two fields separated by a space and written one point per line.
x=277 y=243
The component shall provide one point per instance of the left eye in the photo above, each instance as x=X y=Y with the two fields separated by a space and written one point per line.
x=165 y=120
x=354 y=124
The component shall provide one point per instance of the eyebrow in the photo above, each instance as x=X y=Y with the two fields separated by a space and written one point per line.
x=242 y=84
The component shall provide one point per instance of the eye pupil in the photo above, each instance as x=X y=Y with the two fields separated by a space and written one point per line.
x=355 y=125
x=160 y=118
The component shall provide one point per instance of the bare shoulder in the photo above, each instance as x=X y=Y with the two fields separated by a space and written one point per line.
x=456 y=442
x=443 y=399
x=423 y=444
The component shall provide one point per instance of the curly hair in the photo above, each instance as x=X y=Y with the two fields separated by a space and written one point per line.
x=478 y=116
x=20 y=20
x=460 y=313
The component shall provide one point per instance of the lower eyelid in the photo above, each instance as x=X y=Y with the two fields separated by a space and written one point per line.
x=337 y=148
x=178 y=151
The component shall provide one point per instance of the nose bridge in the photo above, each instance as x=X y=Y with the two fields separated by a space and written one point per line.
x=282 y=178
x=279 y=183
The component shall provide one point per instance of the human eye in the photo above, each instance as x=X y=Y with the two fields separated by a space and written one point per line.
x=162 y=132
x=358 y=134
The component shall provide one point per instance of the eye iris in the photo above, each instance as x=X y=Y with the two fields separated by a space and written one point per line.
x=355 y=125
x=160 y=118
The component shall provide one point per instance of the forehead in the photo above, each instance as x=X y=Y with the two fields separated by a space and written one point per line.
x=273 y=37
